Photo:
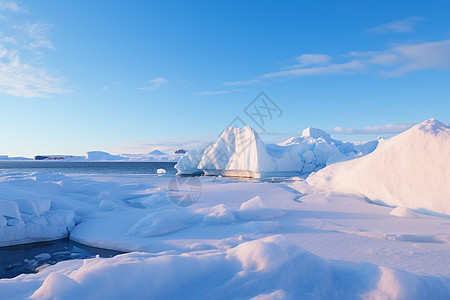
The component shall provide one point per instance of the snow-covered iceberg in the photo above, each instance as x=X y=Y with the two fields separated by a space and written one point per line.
x=411 y=169
x=241 y=152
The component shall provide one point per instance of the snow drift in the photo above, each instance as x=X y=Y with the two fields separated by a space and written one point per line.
x=241 y=152
x=411 y=169
x=268 y=268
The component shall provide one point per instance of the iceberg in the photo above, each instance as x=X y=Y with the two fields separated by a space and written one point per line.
x=411 y=169
x=100 y=156
x=241 y=152
x=188 y=163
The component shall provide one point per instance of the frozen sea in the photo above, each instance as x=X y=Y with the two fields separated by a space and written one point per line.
x=21 y=259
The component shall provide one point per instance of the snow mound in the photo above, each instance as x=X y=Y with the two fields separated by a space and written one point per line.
x=411 y=169
x=241 y=152
x=402 y=212
x=255 y=209
x=268 y=268
x=219 y=214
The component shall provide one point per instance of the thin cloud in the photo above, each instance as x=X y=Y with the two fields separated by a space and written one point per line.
x=204 y=93
x=350 y=67
x=313 y=59
x=37 y=35
x=416 y=57
x=399 y=26
x=242 y=83
x=397 y=60
x=19 y=77
x=10 y=6
x=155 y=84
x=373 y=130
x=23 y=80
x=220 y=92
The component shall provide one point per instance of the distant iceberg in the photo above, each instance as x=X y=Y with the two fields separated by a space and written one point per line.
x=102 y=156
x=6 y=157
x=241 y=152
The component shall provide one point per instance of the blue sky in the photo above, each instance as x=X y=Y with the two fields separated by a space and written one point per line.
x=131 y=77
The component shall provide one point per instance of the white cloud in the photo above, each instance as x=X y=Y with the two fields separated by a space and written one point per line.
x=23 y=80
x=375 y=130
x=155 y=84
x=399 y=26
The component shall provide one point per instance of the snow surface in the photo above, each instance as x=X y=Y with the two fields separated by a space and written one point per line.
x=242 y=239
x=411 y=169
x=241 y=152
x=258 y=269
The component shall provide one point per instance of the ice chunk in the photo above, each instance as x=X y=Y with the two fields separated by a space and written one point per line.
x=217 y=214
x=188 y=163
x=9 y=209
x=43 y=256
x=32 y=205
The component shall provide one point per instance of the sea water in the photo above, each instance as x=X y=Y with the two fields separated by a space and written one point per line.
x=72 y=167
